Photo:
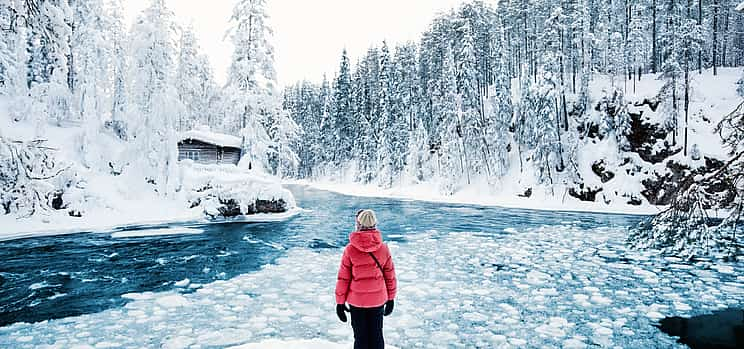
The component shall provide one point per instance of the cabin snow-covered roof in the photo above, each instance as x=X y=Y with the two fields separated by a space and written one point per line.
x=206 y=136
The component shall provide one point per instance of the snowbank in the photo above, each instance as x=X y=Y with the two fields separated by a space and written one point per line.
x=205 y=135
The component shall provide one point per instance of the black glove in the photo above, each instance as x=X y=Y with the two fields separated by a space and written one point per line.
x=389 y=305
x=340 y=311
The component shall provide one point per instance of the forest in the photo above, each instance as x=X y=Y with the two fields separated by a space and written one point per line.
x=524 y=96
x=618 y=103
x=488 y=81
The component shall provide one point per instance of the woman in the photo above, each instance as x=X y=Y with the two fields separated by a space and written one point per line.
x=366 y=281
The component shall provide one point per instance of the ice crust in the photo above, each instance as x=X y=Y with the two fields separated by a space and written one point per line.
x=544 y=287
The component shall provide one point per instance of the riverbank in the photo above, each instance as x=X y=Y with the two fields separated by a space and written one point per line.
x=484 y=196
x=113 y=221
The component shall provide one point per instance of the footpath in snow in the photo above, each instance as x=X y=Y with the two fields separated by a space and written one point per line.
x=555 y=286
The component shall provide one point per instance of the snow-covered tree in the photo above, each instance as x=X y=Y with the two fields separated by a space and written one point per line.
x=250 y=94
x=343 y=123
x=446 y=109
x=194 y=82
x=501 y=113
x=153 y=99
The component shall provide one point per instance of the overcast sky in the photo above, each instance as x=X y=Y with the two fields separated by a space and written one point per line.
x=308 y=34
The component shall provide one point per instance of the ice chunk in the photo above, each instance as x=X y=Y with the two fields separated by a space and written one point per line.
x=574 y=343
x=173 y=301
x=535 y=277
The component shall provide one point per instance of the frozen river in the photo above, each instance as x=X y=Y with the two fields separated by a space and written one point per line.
x=469 y=276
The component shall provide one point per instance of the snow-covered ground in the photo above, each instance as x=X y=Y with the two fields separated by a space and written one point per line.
x=554 y=286
x=477 y=195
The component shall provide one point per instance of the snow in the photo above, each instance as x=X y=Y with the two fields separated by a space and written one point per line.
x=202 y=133
x=289 y=304
x=740 y=7
x=486 y=196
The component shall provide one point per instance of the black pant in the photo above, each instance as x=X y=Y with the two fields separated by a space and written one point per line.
x=367 y=325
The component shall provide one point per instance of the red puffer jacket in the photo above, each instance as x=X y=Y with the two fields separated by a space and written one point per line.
x=360 y=281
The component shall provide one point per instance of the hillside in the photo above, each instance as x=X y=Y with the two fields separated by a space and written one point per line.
x=608 y=178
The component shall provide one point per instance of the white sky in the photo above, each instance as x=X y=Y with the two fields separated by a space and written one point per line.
x=309 y=35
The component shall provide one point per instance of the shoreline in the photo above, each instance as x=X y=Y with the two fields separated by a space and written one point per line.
x=133 y=224
x=371 y=191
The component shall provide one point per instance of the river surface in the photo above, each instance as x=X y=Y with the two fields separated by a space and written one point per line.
x=469 y=276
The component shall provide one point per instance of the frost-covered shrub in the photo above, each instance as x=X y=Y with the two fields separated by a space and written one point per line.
x=614 y=117
x=683 y=229
x=31 y=177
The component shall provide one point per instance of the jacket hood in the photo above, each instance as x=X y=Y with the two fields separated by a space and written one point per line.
x=366 y=240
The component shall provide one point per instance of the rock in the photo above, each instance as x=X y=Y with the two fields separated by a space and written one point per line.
x=232 y=208
x=662 y=187
x=271 y=206
x=599 y=169
x=57 y=202
x=75 y=213
x=584 y=193
x=644 y=137
x=652 y=104
x=635 y=201
x=229 y=208
x=527 y=193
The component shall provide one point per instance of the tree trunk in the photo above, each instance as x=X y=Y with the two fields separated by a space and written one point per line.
x=724 y=49
x=700 y=23
x=715 y=37
x=654 y=53
x=687 y=97
x=561 y=165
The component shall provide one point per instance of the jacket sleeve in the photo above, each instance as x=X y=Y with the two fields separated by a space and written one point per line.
x=391 y=283
x=344 y=278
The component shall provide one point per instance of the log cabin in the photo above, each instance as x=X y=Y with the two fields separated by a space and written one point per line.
x=210 y=148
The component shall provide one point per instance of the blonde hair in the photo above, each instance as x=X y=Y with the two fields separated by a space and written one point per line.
x=367 y=219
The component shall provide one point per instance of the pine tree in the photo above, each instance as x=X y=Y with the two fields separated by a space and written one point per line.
x=446 y=107
x=250 y=93
x=501 y=110
x=117 y=41
x=194 y=82
x=476 y=150
x=671 y=69
x=637 y=45
x=386 y=122
x=48 y=48
x=153 y=98
x=342 y=111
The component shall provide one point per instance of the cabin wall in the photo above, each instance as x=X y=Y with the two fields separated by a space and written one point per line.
x=208 y=154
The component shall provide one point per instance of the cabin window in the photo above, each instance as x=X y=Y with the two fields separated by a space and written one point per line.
x=193 y=155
